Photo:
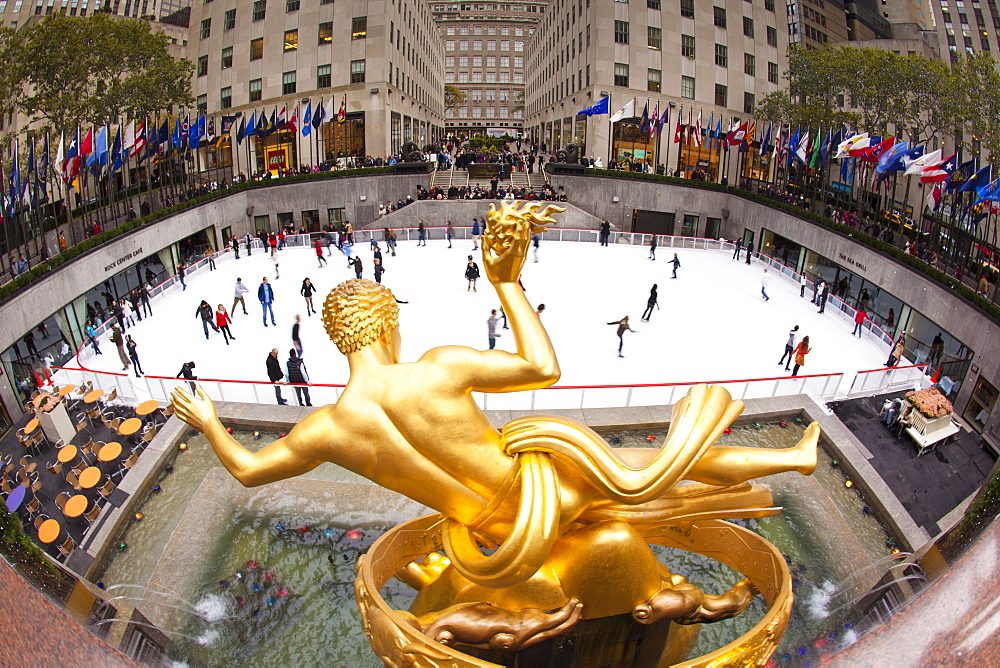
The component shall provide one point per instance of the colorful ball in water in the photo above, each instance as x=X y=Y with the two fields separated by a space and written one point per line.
x=270 y=601
x=252 y=564
x=282 y=435
x=268 y=577
x=802 y=650
x=229 y=430
x=256 y=435
x=354 y=534
x=783 y=424
x=328 y=532
x=727 y=430
x=650 y=438
x=282 y=592
x=240 y=600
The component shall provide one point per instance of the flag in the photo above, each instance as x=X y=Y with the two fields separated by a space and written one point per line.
x=628 y=111
x=942 y=171
x=664 y=120
x=175 y=140
x=697 y=130
x=644 y=123
x=328 y=110
x=128 y=137
x=677 y=132
x=803 y=146
x=748 y=138
x=689 y=130
x=859 y=148
x=14 y=190
x=139 y=141
x=342 y=112
x=765 y=143
x=776 y=150
x=934 y=197
x=282 y=121
x=210 y=129
x=163 y=135
x=118 y=154
x=242 y=131
x=984 y=175
x=891 y=160
x=307 y=119
x=833 y=139
x=29 y=180
x=845 y=146
x=71 y=163
x=653 y=120
x=718 y=128
x=265 y=126
x=875 y=151
x=961 y=175
x=926 y=160
x=87 y=147
x=251 y=124
x=196 y=132
x=817 y=147
x=602 y=107
x=99 y=152
x=60 y=162
x=989 y=193
x=737 y=135
x=293 y=122
x=320 y=114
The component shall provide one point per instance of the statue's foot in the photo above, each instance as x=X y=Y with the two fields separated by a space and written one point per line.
x=804 y=453
x=716 y=608
x=421 y=573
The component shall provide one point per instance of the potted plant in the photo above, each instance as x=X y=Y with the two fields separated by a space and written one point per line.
x=930 y=403
x=52 y=415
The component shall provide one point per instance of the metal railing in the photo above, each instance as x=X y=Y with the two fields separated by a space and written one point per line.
x=888 y=379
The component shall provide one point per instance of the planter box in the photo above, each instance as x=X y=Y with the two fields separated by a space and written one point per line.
x=57 y=425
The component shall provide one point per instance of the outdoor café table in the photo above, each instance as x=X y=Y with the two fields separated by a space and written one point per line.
x=67 y=453
x=31 y=426
x=147 y=407
x=75 y=506
x=89 y=477
x=129 y=426
x=49 y=531
x=16 y=497
x=109 y=452
x=65 y=389
x=92 y=396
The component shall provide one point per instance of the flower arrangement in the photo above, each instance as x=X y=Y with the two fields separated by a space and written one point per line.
x=46 y=403
x=930 y=403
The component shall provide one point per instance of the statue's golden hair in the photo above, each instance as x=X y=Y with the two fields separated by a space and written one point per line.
x=357 y=312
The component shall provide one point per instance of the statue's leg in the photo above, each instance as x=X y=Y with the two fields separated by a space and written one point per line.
x=728 y=465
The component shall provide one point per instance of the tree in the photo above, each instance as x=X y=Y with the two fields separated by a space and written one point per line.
x=978 y=79
x=453 y=98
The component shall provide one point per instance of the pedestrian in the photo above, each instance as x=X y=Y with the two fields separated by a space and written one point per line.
x=622 y=328
x=378 y=269
x=181 y=271
x=211 y=259
x=265 y=294
x=298 y=377
x=802 y=285
x=307 y=290
x=765 y=280
x=238 y=291
x=144 y=298
x=749 y=251
x=296 y=341
x=471 y=274
x=650 y=303
x=823 y=296
x=235 y=244
x=357 y=267
x=275 y=375
x=737 y=249
x=318 y=247
x=127 y=312
x=92 y=337
x=62 y=241
x=449 y=232
x=274 y=259
x=897 y=351
x=817 y=287
x=205 y=311
x=491 y=328
x=982 y=288
x=421 y=234
x=652 y=248
x=789 y=347
x=187 y=374
x=475 y=233
x=800 y=353
x=859 y=320
x=222 y=322
x=130 y=346
x=249 y=242
x=937 y=349
x=119 y=341
x=677 y=263
x=540 y=310
x=119 y=313
x=605 y=232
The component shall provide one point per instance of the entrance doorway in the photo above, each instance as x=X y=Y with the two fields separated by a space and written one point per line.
x=652 y=222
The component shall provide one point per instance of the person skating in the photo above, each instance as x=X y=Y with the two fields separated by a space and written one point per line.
x=307 y=291
x=297 y=375
x=222 y=322
x=181 y=272
x=737 y=249
x=765 y=280
x=471 y=274
x=131 y=346
x=540 y=310
x=144 y=298
x=817 y=288
x=234 y=242
x=749 y=251
x=800 y=353
x=357 y=267
x=859 y=320
x=536 y=240
x=249 y=242
x=187 y=374
x=650 y=303
x=802 y=285
x=789 y=347
x=449 y=232
x=92 y=337
x=622 y=328
x=677 y=264
x=491 y=329
x=503 y=314
x=119 y=341
x=421 y=234
x=238 y=291
x=296 y=341
x=378 y=269
x=205 y=311
x=275 y=375
x=823 y=297
x=605 y=232
x=897 y=351
x=475 y=233
x=652 y=248
x=318 y=247
x=265 y=294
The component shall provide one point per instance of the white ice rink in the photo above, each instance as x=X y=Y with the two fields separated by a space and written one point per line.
x=712 y=324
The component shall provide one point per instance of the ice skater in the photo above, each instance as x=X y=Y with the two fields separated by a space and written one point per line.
x=622 y=328
x=357 y=267
x=205 y=312
x=449 y=232
x=789 y=347
x=737 y=249
x=378 y=269
x=298 y=377
x=92 y=337
x=348 y=250
x=238 y=291
x=131 y=346
x=222 y=322
x=421 y=233
x=897 y=351
x=275 y=375
x=536 y=240
x=296 y=341
x=765 y=280
x=475 y=233
x=119 y=341
x=749 y=251
x=652 y=248
x=800 y=353
x=181 y=271
x=187 y=374
x=471 y=274
x=823 y=297
x=859 y=321
x=318 y=247
x=265 y=294
x=491 y=328
x=650 y=303
x=307 y=291
x=677 y=265
x=802 y=285
x=274 y=259
x=605 y=233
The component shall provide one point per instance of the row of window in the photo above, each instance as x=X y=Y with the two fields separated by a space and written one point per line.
x=654 y=35
x=687 y=9
x=359 y=27
x=490 y=61
x=490 y=77
x=289 y=85
x=654 y=79
x=481 y=112
x=517 y=31
x=477 y=45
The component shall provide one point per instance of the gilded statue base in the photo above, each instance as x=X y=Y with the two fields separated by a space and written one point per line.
x=395 y=639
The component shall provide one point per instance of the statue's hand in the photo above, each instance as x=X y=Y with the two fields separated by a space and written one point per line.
x=508 y=235
x=198 y=410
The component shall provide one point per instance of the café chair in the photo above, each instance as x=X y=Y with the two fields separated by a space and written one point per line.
x=28 y=463
x=128 y=464
x=62 y=498
x=39 y=519
x=33 y=506
x=67 y=546
x=92 y=514
x=55 y=467
x=6 y=485
x=106 y=489
x=74 y=480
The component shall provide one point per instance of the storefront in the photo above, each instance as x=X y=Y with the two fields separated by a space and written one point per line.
x=277 y=152
x=633 y=146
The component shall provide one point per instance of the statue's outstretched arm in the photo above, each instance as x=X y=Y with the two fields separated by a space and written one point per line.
x=285 y=458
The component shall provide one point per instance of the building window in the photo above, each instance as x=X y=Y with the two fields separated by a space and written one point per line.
x=747 y=26
x=227 y=57
x=654 y=38
x=463 y=45
x=687 y=9
x=202 y=104
x=291 y=40
x=749 y=64
x=720 y=16
x=772 y=36
x=255 y=90
x=687 y=88
x=621 y=75
x=325 y=32
x=769 y=5
x=653 y=4
x=257 y=48
x=491 y=45
x=449 y=45
x=206 y=28
x=463 y=61
x=323 y=76
x=259 y=10
x=226 y=97
x=518 y=62
x=653 y=80
x=477 y=45
x=357 y=71
x=202 y=65
x=518 y=77
x=291 y=6
x=772 y=73
x=230 y=20
x=288 y=83
x=477 y=77
x=687 y=46
x=449 y=61
x=748 y=102
x=621 y=32
x=518 y=47
x=359 y=27
x=721 y=55
x=721 y=95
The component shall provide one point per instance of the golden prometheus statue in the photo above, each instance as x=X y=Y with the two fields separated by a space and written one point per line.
x=543 y=531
